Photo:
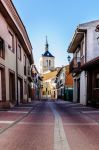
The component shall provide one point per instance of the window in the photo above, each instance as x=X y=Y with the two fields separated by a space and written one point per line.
x=97 y=80
x=44 y=93
x=25 y=88
x=19 y=52
x=29 y=70
x=11 y=40
x=2 y=50
x=24 y=64
x=49 y=63
x=81 y=50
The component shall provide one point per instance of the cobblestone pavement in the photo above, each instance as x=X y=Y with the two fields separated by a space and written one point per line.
x=49 y=126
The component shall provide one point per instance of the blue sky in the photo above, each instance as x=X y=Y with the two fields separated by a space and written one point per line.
x=58 y=20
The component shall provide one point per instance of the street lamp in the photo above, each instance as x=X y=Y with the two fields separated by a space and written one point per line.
x=98 y=40
x=69 y=58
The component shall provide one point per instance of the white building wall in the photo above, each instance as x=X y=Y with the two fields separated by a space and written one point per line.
x=91 y=50
x=75 y=90
x=90 y=44
x=43 y=64
x=83 y=88
x=92 y=47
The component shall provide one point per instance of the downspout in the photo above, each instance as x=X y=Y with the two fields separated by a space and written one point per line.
x=86 y=77
x=16 y=74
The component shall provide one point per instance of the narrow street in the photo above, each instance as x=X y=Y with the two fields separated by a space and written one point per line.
x=49 y=126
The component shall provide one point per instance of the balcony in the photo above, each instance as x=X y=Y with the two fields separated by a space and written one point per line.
x=75 y=65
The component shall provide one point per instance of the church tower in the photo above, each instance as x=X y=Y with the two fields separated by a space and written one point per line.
x=47 y=60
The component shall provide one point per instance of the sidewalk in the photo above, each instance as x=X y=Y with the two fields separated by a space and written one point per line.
x=91 y=112
x=8 y=117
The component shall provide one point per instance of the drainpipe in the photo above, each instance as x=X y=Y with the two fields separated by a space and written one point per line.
x=16 y=74
x=86 y=71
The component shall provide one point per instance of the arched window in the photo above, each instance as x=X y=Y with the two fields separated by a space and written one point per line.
x=49 y=63
x=45 y=63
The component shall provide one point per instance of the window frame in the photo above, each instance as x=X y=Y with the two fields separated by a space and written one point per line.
x=19 y=48
x=11 y=47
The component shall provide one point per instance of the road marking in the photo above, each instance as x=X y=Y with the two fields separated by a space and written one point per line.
x=18 y=112
x=73 y=105
x=36 y=123
x=79 y=107
x=90 y=111
x=81 y=124
x=23 y=107
x=8 y=122
x=60 y=139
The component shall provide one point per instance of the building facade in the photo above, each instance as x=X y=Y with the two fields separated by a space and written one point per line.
x=60 y=82
x=36 y=84
x=15 y=57
x=64 y=84
x=68 y=85
x=84 y=66
x=49 y=90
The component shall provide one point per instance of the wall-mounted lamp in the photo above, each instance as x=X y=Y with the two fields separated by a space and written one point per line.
x=98 y=40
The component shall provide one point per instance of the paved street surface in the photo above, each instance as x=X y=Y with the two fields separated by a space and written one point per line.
x=49 y=126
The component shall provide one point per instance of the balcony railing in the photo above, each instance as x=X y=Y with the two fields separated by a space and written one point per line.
x=75 y=65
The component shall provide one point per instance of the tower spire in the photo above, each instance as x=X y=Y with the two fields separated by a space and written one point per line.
x=46 y=46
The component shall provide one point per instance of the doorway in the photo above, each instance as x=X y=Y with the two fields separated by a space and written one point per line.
x=12 y=86
x=0 y=86
x=78 y=90
x=20 y=90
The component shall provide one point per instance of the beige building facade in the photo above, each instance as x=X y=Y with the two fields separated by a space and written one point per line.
x=15 y=57
x=49 y=90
